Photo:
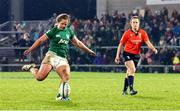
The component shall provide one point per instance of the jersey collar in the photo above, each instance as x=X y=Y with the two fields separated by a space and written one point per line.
x=61 y=29
x=136 y=33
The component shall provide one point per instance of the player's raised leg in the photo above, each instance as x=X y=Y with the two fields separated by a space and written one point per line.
x=39 y=74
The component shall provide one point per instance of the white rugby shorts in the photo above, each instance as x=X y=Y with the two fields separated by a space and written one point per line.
x=54 y=60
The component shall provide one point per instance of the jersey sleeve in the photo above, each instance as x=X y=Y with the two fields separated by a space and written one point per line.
x=71 y=32
x=145 y=36
x=124 y=38
x=50 y=33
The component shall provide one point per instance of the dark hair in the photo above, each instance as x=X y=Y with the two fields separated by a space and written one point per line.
x=62 y=16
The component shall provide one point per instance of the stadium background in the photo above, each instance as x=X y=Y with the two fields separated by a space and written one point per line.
x=98 y=23
x=96 y=83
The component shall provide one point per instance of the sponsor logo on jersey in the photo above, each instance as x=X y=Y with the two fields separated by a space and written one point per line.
x=62 y=41
x=138 y=39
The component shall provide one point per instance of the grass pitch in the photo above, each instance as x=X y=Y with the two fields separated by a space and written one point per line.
x=89 y=91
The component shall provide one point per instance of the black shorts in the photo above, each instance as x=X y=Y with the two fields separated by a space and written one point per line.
x=129 y=56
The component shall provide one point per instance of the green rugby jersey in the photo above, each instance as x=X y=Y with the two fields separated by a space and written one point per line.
x=59 y=40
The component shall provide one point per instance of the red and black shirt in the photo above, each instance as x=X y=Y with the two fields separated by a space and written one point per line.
x=132 y=41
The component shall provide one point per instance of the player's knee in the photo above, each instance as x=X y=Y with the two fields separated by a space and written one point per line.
x=66 y=77
x=132 y=70
x=40 y=78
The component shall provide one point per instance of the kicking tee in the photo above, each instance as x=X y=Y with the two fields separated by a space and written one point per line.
x=59 y=40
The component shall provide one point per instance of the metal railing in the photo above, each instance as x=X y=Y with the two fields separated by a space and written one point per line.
x=7 y=26
x=89 y=67
x=94 y=67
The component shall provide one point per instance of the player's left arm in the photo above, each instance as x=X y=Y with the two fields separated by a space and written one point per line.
x=75 y=41
x=150 y=45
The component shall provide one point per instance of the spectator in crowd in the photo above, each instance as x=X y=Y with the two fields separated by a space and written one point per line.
x=174 y=13
x=176 y=32
x=176 y=62
x=4 y=61
x=155 y=32
x=162 y=27
x=98 y=59
x=23 y=42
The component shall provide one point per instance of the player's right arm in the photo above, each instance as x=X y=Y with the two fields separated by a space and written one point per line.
x=119 y=50
x=36 y=44
x=120 y=47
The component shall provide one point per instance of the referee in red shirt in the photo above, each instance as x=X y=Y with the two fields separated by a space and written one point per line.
x=130 y=44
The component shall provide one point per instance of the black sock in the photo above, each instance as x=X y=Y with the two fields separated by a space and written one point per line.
x=125 y=84
x=131 y=82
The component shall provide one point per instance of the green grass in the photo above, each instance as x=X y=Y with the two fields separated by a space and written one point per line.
x=90 y=91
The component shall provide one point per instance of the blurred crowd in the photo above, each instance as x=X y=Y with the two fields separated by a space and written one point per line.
x=163 y=30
